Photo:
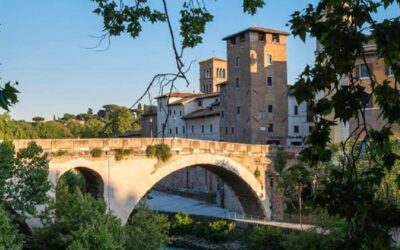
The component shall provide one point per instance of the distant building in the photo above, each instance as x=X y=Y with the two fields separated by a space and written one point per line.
x=149 y=121
x=254 y=102
x=213 y=71
x=188 y=115
x=300 y=121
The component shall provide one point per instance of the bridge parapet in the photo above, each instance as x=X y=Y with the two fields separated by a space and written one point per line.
x=177 y=145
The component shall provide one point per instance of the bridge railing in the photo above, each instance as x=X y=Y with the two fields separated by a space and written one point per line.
x=140 y=144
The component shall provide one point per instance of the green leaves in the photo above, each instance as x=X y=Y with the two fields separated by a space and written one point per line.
x=8 y=96
x=251 y=6
x=193 y=21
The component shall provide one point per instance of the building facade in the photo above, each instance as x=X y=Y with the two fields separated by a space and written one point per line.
x=300 y=122
x=213 y=71
x=254 y=99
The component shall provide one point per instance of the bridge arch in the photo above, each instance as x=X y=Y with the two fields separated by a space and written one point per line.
x=94 y=183
x=247 y=188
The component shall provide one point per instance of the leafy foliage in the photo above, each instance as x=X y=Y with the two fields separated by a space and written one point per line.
x=181 y=224
x=8 y=96
x=349 y=188
x=23 y=179
x=9 y=236
x=147 y=230
x=161 y=151
x=81 y=222
x=96 y=152
x=262 y=237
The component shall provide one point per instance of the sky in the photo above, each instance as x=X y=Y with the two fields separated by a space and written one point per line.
x=46 y=45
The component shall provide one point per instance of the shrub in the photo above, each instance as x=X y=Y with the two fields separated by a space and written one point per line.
x=304 y=241
x=257 y=173
x=220 y=230
x=182 y=223
x=120 y=153
x=151 y=151
x=96 y=152
x=262 y=237
x=161 y=151
x=60 y=153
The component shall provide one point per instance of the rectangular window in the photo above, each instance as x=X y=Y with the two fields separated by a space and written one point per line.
x=270 y=109
x=390 y=71
x=180 y=112
x=174 y=112
x=296 y=129
x=232 y=130
x=242 y=37
x=275 y=38
x=270 y=127
x=261 y=37
x=202 y=128
x=238 y=110
x=176 y=130
x=222 y=114
x=199 y=103
x=170 y=131
x=237 y=62
x=269 y=59
x=211 y=128
x=226 y=130
x=269 y=80
x=263 y=115
x=232 y=41
x=169 y=112
x=192 y=129
x=237 y=82
x=364 y=71
x=183 y=130
x=296 y=110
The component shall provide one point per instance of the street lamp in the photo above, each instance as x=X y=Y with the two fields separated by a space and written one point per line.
x=174 y=119
x=151 y=127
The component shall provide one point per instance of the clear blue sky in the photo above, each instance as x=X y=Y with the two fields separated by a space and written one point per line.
x=43 y=46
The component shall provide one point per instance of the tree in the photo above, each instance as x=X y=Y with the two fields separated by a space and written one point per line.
x=9 y=236
x=81 y=222
x=90 y=111
x=23 y=179
x=53 y=130
x=119 y=122
x=146 y=230
x=93 y=128
x=37 y=119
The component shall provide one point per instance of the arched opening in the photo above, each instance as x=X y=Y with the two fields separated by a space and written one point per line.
x=248 y=199
x=88 y=180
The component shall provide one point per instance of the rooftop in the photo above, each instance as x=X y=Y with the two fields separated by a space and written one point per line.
x=213 y=110
x=257 y=29
x=176 y=94
x=212 y=59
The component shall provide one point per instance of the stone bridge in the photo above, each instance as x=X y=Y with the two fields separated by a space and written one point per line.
x=123 y=182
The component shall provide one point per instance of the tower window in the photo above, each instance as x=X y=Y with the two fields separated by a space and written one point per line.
x=275 y=38
x=237 y=62
x=238 y=110
x=263 y=115
x=296 y=129
x=296 y=110
x=269 y=59
x=237 y=82
x=232 y=41
x=269 y=80
x=242 y=37
x=222 y=114
x=232 y=130
x=270 y=109
x=270 y=127
x=261 y=37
